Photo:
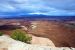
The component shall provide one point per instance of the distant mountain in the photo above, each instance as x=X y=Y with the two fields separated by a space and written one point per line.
x=34 y=17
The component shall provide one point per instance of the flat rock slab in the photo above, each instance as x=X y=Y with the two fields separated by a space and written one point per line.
x=42 y=41
x=10 y=44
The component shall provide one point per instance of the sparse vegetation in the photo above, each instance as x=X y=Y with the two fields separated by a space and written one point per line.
x=1 y=33
x=21 y=36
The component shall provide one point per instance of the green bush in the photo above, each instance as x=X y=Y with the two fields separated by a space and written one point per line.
x=1 y=33
x=21 y=36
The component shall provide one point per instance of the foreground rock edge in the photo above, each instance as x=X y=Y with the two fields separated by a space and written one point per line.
x=7 y=43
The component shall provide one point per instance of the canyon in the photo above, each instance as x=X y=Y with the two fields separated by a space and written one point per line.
x=61 y=33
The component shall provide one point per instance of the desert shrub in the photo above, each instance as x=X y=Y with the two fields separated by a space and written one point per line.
x=1 y=33
x=21 y=36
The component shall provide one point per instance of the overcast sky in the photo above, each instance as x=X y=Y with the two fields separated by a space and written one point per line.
x=46 y=7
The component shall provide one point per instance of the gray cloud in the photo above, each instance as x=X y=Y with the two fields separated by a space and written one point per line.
x=47 y=7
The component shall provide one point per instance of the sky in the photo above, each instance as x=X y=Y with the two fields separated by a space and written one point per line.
x=31 y=7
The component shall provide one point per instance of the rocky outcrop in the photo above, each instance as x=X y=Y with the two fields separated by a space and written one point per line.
x=7 y=43
x=41 y=41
